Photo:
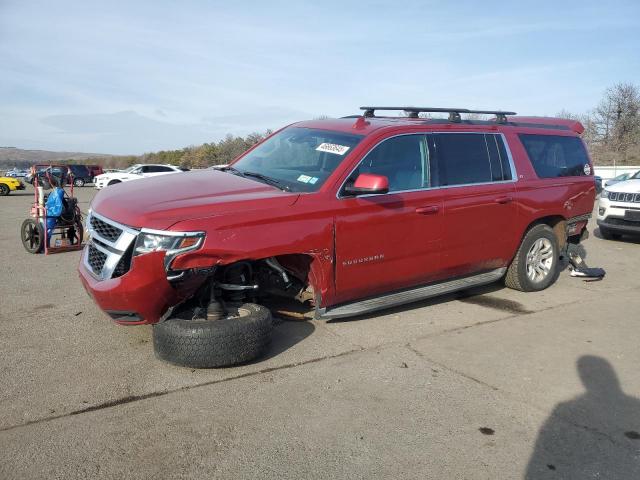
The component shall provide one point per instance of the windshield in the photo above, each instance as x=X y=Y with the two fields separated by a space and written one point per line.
x=130 y=169
x=298 y=159
x=636 y=175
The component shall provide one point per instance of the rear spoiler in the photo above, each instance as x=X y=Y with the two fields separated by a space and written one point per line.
x=573 y=125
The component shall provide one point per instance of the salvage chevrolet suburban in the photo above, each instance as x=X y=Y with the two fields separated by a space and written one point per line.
x=349 y=215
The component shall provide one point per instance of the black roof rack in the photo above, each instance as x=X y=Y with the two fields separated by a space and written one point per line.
x=454 y=113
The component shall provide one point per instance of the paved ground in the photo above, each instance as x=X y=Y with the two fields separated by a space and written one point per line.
x=498 y=384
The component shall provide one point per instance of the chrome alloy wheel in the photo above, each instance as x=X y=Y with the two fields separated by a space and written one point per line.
x=540 y=260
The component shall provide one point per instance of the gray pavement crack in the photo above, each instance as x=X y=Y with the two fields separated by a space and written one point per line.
x=136 y=398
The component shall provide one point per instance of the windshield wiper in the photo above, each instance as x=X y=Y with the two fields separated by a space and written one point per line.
x=235 y=171
x=271 y=181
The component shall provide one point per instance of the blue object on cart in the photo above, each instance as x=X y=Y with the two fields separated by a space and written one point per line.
x=54 y=208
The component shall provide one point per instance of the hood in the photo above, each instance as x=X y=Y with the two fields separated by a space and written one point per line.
x=626 y=186
x=159 y=202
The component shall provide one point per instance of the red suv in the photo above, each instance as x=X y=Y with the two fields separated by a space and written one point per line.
x=350 y=215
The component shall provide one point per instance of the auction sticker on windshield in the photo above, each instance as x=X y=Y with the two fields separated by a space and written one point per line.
x=332 y=148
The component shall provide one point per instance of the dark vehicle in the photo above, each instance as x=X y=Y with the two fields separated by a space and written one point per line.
x=81 y=175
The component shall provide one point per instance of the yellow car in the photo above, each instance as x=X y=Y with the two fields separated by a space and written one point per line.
x=8 y=184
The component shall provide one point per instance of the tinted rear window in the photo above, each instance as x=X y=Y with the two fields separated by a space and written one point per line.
x=555 y=155
x=468 y=158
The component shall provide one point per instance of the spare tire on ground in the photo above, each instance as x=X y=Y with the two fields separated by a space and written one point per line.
x=202 y=343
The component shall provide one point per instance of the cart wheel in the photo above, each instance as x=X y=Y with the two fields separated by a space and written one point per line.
x=75 y=234
x=32 y=235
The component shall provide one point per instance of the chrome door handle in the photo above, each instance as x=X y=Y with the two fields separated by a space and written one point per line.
x=428 y=210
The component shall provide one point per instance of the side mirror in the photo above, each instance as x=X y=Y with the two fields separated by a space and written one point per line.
x=367 y=184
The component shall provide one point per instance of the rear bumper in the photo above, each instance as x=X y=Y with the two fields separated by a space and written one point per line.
x=140 y=296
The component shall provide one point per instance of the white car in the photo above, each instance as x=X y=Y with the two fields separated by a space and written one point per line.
x=134 y=172
x=619 y=209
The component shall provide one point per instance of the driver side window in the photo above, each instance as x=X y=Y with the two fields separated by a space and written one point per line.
x=404 y=160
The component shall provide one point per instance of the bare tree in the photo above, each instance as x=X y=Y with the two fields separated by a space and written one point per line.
x=616 y=118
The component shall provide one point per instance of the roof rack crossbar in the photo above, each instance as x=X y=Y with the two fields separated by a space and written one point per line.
x=454 y=113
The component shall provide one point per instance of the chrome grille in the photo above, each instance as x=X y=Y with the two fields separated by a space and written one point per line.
x=108 y=253
x=96 y=259
x=124 y=264
x=105 y=230
x=624 y=197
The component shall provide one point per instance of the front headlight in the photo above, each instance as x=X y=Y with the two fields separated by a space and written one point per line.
x=604 y=194
x=172 y=243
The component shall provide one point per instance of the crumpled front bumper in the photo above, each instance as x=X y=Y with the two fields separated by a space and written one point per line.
x=140 y=296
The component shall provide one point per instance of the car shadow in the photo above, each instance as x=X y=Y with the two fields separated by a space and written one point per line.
x=624 y=239
x=595 y=435
x=286 y=334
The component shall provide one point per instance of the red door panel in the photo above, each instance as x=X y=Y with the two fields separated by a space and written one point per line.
x=387 y=242
x=480 y=227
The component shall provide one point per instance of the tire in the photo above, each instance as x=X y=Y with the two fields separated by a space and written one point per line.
x=519 y=272
x=4 y=190
x=113 y=182
x=78 y=182
x=214 y=343
x=32 y=235
x=608 y=234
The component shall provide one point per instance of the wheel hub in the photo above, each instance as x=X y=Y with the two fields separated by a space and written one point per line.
x=540 y=259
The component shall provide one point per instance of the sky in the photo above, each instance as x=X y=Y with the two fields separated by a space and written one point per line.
x=133 y=77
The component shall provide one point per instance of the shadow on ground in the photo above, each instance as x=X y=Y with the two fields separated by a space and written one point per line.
x=286 y=335
x=623 y=238
x=595 y=435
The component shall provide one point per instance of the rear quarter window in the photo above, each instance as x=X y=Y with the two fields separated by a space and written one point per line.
x=555 y=155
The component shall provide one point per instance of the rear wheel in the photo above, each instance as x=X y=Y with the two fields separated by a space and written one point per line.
x=608 y=234
x=535 y=266
x=202 y=343
x=32 y=235
x=78 y=182
x=4 y=190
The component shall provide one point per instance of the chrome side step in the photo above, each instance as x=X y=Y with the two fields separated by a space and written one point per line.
x=407 y=296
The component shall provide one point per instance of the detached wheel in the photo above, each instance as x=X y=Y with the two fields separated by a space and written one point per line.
x=32 y=235
x=78 y=182
x=535 y=266
x=4 y=190
x=214 y=343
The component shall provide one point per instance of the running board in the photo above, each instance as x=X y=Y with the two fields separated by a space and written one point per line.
x=408 y=296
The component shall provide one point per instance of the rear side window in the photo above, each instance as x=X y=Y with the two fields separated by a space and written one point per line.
x=469 y=158
x=555 y=155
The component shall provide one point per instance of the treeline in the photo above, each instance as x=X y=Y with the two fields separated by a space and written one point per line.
x=202 y=156
x=612 y=128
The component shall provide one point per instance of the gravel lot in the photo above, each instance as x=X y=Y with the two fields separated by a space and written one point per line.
x=490 y=384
